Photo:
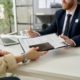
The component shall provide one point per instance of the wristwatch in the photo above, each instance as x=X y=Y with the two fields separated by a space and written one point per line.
x=25 y=58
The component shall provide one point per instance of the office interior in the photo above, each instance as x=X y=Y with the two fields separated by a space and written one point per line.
x=26 y=13
x=16 y=17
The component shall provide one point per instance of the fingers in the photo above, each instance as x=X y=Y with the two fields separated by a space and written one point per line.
x=29 y=32
x=33 y=54
x=69 y=41
x=36 y=48
x=64 y=37
x=35 y=59
x=42 y=53
x=4 y=52
x=7 y=53
x=30 y=29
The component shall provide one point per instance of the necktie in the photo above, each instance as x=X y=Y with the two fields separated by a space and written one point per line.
x=66 y=31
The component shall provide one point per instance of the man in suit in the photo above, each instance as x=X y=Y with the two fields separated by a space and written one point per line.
x=66 y=23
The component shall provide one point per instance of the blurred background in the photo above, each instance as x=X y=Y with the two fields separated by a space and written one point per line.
x=19 y=15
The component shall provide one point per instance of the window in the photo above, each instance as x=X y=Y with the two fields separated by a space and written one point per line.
x=24 y=13
x=8 y=19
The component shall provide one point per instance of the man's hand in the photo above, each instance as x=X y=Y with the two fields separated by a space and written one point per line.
x=31 y=33
x=2 y=53
x=69 y=41
x=33 y=54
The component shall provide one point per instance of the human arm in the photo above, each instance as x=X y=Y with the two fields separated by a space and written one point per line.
x=10 y=62
x=75 y=41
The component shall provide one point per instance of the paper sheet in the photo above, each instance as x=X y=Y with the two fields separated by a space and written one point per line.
x=53 y=39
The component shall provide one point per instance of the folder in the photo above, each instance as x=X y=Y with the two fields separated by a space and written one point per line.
x=43 y=47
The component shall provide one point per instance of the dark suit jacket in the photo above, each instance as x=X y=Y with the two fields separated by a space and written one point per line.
x=57 y=25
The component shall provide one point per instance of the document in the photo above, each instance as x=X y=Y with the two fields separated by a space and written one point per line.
x=52 y=39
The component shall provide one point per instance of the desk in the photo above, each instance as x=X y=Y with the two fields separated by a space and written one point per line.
x=58 y=64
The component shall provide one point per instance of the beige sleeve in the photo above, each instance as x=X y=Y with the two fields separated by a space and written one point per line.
x=7 y=63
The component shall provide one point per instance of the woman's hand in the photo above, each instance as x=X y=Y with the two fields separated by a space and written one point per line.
x=34 y=54
x=2 y=53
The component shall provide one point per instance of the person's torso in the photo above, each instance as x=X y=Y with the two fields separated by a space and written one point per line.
x=74 y=25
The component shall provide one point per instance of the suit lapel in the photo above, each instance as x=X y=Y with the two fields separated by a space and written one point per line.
x=61 y=22
x=74 y=19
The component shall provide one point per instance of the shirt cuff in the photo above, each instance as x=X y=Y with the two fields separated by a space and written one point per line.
x=10 y=62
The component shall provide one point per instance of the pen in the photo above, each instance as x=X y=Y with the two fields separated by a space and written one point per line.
x=21 y=46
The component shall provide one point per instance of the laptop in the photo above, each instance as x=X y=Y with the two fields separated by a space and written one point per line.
x=7 y=41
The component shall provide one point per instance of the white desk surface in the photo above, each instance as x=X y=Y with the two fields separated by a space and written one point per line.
x=60 y=63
